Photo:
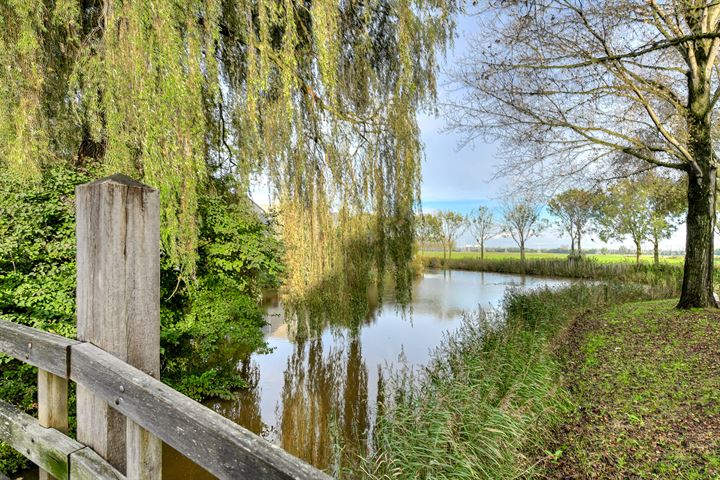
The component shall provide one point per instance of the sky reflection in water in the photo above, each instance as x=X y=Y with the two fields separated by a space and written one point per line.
x=307 y=391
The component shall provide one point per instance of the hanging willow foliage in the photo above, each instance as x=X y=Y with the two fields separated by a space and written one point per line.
x=320 y=96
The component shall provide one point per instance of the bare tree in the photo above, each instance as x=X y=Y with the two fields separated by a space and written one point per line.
x=523 y=222
x=427 y=229
x=575 y=209
x=451 y=225
x=481 y=223
x=626 y=213
x=579 y=86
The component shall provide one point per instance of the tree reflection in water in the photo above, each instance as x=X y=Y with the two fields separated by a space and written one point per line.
x=317 y=388
x=245 y=408
x=325 y=396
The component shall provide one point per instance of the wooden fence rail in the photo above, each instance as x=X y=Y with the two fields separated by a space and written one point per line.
x=217 y=444
x=124 y=411
x=54 y=452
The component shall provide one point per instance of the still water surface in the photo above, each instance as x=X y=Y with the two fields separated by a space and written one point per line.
x=306 y=392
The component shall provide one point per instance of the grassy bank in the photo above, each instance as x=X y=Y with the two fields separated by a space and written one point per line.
x=664 y=279
x=646 y=381
x=491 y=400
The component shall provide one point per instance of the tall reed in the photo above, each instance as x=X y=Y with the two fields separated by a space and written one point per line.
x=665 y=279
x=486 y=404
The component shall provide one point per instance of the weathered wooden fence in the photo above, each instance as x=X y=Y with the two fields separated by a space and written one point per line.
x=124 y=412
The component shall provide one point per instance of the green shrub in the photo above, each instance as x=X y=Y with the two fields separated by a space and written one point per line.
x=37 y=275
x=205 y=320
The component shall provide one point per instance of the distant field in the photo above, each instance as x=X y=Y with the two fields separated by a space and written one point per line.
x=608 y=258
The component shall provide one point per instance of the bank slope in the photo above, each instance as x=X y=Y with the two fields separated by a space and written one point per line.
x=489 y=403
x=645 y=379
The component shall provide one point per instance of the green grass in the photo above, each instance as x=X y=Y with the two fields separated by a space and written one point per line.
x=600 y=258
x=489 y=403
x=646 y=381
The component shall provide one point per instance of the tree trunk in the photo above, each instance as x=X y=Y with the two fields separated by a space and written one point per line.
x=572 y=244
x=482 y=249
x=697 y=286
x=522 y=252
x=656 y=250
x=579 y=248
x=638 y=252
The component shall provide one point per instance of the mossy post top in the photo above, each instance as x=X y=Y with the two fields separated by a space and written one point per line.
x=118 y=179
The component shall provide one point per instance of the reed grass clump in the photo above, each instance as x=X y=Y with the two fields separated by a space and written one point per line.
x=665 y=279
x=486 y=404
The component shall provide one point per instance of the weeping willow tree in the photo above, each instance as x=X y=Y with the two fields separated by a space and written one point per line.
x=318 y=96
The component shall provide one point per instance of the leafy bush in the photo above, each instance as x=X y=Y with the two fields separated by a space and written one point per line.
x=209 y=324
x=37 y=274
x=37 y=251
x=205 y=320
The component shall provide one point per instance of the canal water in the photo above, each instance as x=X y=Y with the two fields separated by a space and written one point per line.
x=306 y=393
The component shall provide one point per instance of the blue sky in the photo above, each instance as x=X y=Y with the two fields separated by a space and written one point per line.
x=462 y=179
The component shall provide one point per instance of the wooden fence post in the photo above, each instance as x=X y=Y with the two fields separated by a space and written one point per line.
x=118 y=309
x=52 y=405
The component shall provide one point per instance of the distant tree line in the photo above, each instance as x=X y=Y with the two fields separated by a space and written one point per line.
x=644 y=208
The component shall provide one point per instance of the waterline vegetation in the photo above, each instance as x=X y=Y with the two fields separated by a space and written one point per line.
x=490 y=401
x=664 y=277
